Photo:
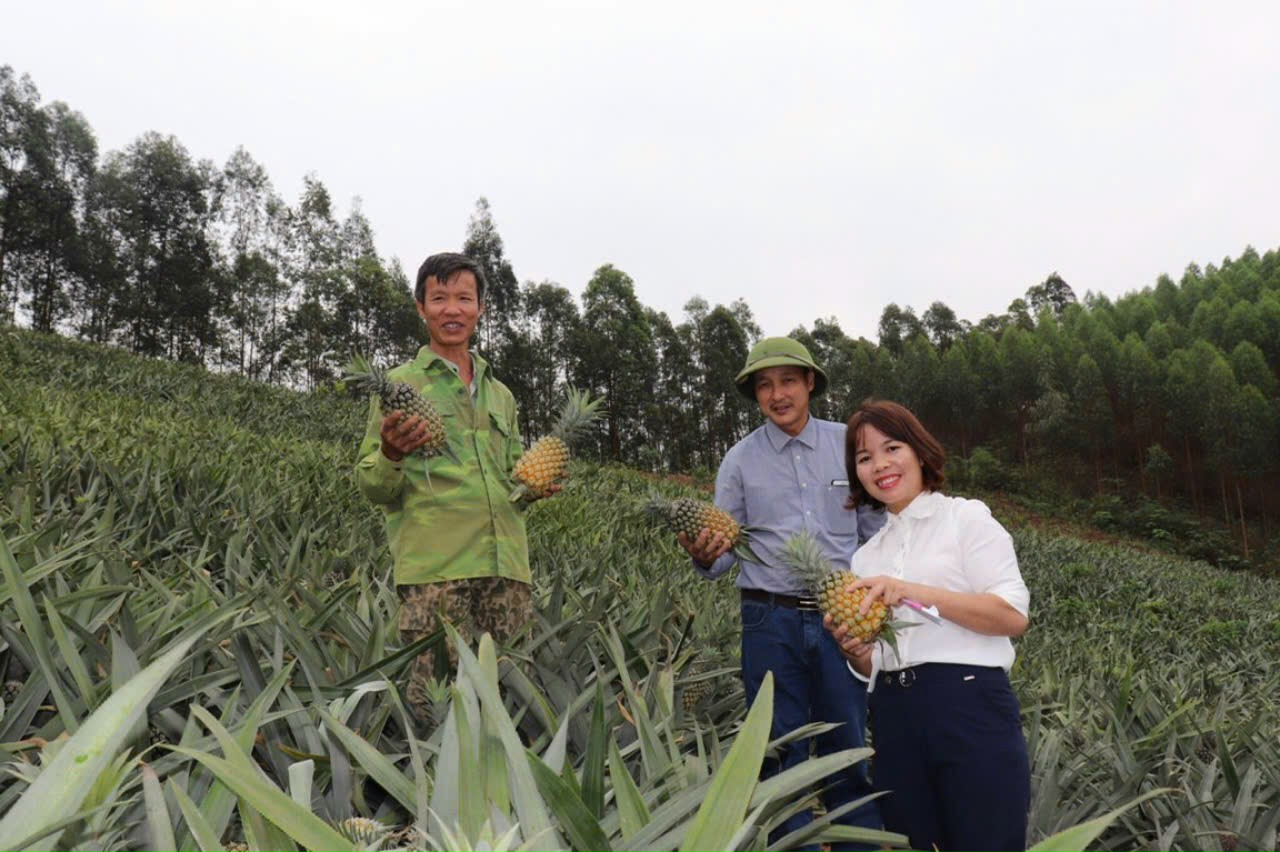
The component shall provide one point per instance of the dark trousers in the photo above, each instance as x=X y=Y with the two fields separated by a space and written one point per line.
x=950 y=753
x=811 y=683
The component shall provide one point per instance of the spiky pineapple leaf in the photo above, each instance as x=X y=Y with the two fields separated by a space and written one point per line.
x=729 y=795
x=64 y=783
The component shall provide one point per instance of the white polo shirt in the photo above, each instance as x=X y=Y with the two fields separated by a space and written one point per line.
x=950 y=543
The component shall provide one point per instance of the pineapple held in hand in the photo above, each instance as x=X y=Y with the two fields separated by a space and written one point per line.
x=690 y=516
x=547 y=461
x=810 y=566
x=398 y=396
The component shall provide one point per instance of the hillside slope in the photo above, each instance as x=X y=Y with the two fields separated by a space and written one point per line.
x=138 y=495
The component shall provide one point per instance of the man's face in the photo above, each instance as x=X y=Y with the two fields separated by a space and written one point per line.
x=451 y=309
x=783 y=395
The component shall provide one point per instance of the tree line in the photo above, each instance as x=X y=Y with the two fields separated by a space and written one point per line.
x=1171 y=391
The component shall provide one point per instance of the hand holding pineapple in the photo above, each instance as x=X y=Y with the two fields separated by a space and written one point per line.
x=703 y=529
x=846 y=601
x=707 y=547
x=539 y=471
x=403 y=434
x=421 y=431
x=856 y=649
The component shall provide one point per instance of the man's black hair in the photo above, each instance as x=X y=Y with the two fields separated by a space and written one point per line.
x=443 y=267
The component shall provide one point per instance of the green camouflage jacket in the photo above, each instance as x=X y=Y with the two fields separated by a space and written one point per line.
x=462 y=525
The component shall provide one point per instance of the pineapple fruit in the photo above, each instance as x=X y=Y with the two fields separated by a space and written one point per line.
x=809 y=565
x=365 y=834
x=547 y=461
x=694 y=692
x=398 y=396
x=690 y=516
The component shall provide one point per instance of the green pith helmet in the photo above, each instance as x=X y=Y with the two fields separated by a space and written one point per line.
x=779 y=352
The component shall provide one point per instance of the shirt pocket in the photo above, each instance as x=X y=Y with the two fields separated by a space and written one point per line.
x=840 y=521
x=500 y=432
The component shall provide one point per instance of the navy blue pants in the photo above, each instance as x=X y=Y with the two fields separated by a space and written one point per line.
x=950 y=753
x=811 y=683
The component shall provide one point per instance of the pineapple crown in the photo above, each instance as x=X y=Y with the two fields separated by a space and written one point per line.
x=805 y=558
x=579 y=411
x=361 y=372
x=658 y=507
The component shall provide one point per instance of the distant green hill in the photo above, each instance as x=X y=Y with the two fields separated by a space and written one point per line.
x=140 y=496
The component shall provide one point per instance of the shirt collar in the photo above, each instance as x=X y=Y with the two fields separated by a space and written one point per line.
x=428 y=356
x=925 y=504
x=779 y=439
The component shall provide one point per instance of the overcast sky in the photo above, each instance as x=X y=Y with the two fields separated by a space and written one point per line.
x=815 y=159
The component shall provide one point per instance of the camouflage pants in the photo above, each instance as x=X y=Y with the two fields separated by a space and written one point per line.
x=493 y=605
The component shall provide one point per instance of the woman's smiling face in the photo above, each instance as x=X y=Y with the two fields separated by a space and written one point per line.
x=888 y=469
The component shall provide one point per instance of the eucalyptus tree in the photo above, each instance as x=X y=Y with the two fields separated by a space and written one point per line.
x=1091 y=408
x=547 y=326
x=942 y=326
x=897 y=326
x=155 y=203
x=723 y=347
x=674 y=416
x=615 y=358
x=1053 y=293
x=1268 y=306
x=1138 y=400
x=54 y=254
x=958 y=393
x=314 y=267
x=484 y=245
x=833 y=351
x=1254 y=452
x=249 y=230
x=1022 y=364
x=919 y=375
x=24 y=155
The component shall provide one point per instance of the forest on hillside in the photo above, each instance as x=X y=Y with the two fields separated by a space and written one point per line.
x=1169 y=394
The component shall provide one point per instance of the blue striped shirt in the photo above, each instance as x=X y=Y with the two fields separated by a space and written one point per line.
x=783 y=485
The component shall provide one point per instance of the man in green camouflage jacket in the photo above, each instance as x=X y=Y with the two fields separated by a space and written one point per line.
x=459 y=546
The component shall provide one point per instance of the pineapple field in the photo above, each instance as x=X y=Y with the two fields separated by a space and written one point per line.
x=198 y=651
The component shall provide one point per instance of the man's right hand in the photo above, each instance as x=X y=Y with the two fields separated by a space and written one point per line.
x=402 y=434
x=706 y=548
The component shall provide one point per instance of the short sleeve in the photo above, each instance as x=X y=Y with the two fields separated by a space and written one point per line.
x=988 y=556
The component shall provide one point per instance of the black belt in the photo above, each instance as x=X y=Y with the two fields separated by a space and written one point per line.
x=935 y=671
x=786 y=601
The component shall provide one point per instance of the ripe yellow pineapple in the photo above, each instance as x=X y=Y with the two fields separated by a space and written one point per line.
x=547 y=461
x=398 y=396
x=810 y=566
x=690 y=516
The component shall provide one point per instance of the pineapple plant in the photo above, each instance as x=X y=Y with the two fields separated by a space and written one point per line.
x=398 y=396
x=809 y=565
x=547 y=461
x=690 y=516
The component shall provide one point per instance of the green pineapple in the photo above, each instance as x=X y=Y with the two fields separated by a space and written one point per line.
x=696 y=691
x=398 y=396
x=690 y=516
